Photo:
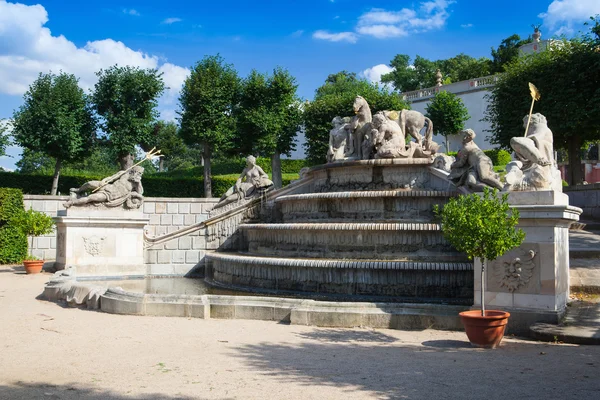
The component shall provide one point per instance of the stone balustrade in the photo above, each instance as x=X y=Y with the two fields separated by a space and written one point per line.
x=456 y=87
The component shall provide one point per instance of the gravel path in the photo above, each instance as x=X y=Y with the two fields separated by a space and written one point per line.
x=51 y=352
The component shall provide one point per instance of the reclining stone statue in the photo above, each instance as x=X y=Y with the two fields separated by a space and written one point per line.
x=256 y=183
x=472 y=167
x=123 y=188
x=534 y=167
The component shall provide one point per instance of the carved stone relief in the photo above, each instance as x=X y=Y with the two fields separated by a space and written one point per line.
x=93 y=245
x=516 y=271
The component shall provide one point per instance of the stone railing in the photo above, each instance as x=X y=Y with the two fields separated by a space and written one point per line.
x=457 y=87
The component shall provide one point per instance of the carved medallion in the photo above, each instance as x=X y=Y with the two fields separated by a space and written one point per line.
x=93 y=245
x=515 y=269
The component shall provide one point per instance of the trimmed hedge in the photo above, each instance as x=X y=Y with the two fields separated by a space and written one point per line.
x=236 y=166
x=499 y=157
x=155 y=185
x=13 y=242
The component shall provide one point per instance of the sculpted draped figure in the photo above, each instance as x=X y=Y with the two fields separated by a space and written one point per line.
x=534 y=167
x=123 y=188
x=256 y=182
x=341 y=140
x=472 y=167
x=384 y=138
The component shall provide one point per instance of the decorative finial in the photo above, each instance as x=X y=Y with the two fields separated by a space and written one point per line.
x=536 y=32
x=438 y=77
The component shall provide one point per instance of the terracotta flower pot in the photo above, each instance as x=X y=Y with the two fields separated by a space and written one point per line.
x=33 y=266
x=484 y=331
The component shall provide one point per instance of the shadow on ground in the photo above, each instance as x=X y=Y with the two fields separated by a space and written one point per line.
x=388 y=367
x=42 y=391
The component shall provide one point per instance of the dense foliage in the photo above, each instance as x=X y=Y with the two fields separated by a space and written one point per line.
x=175 y=153
x=207 y=102
x=448 y=114
x=33 y=223
x=126 y=98
x=268 y=117
x=13 y=242
x=420 y=73
x=56 y=119
x=4 y=136
x=155 y=185
x=335 y=98
x=566 y=75
x=481 y=226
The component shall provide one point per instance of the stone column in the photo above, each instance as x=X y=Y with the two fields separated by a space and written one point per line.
x=103 y=241
x=532 y=280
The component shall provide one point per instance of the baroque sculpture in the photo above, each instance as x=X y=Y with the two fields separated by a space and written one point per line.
x=341 y=140
x=534 y=167
x=382 y=136
x=472 y=167
x=256 y=183
x=123 y=188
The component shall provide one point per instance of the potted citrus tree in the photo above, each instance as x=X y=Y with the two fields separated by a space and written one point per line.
x=33 y=223
x=483 y=227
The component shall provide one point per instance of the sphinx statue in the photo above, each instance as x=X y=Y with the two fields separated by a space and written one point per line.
x=253 y=182
x=123 y=188
x=472 y=167
x=534 y=166
x=341 y=140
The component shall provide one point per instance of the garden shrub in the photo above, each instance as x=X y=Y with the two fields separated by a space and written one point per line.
x=13 y=242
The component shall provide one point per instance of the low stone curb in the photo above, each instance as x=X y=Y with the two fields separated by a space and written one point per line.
x=587 y=335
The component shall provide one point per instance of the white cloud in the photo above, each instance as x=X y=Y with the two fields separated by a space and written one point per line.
x=131 y=11
x=298 y=33
x=373 y=74
x=563 y=15
x=336 y=37
x=466 y=26
x=382 y=31
x=28 y=48
x=172 y=20
x=381 y=23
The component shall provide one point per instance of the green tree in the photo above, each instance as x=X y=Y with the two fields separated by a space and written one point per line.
x=166 y=138
x=448 y=114
x=566 y=75
x=4 y=137
x=507 y=52
x=268 y=117
x=56 y=119
x=336 y=99
x=126 y=98
x=207 y=103
x=421 y=73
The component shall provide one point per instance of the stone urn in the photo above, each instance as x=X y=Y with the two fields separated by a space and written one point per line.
x=485 y=331
x=33 y=266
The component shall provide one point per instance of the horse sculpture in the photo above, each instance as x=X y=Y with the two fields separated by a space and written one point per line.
x=361 y=125
x=412 y=122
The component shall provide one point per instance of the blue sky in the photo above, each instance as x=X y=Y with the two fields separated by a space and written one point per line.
x=311 y=38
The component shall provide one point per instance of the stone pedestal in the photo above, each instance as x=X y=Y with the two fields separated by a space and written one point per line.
x=101 y=241
x=532 y=280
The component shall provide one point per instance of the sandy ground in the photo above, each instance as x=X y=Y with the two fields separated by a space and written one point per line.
x=51 y=352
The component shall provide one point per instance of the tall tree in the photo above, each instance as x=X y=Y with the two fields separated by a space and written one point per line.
x=507 y=52
x=207 y=103
x=4 y=137
x=166 y=138
x=448 y=114
x=126 y=98
x=269 y=116
x=566 y=76
x=336 y=99
x=56 y=119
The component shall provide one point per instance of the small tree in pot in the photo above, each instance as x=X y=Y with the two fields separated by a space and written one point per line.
x=33 y=223
x=483 y=227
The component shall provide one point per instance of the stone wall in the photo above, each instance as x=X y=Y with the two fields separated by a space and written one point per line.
x=166 y=215
x=586 y=197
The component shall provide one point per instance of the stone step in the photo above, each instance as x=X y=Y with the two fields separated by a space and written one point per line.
x=393 y=280
x=401 y=241
x=402 y=204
